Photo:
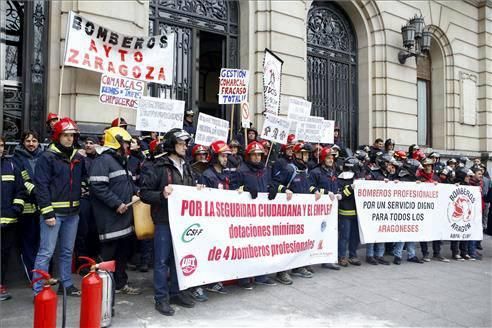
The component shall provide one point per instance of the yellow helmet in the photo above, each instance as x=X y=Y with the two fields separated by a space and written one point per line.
x=113 y=137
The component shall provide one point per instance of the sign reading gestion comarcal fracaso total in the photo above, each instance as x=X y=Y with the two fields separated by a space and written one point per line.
x=96 y=48
x=407 y=211
x=220 y=235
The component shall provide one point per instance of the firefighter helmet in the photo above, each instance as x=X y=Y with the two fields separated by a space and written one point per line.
x=51 y=117
x=65 y=125
x=327 y=151
x=171 y=139
x=115 y=136
x=119 y=122
x=254 y=148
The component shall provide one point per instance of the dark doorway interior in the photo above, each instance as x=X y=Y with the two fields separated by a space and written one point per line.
x=211 y=59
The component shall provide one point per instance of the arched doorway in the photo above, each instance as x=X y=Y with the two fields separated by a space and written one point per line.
x=207 y=34
x=24 y=53
x=332 y=68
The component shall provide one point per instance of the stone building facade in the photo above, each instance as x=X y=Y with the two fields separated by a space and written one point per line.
x=341 y=55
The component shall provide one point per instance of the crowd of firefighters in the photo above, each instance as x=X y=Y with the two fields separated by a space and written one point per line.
x=76 y=194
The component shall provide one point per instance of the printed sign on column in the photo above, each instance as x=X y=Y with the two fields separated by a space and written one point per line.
x=272 y=75
x=233 y=87
x=210 y=129
x=96 y=48
x=220 y=235
x=120 y=91
x=275 y=129
x=160 y=115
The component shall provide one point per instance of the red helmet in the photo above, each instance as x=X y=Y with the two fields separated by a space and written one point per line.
x=119 y=121
x=302 y=147
x=51 y=116
x=325 y=152
x=266 y=144
x=199 y=149
x=291 y=138
x=418 y=155
x=254 y=147
x=219 y=147
x=153 y=144
x=400 y=155
x=65 y=125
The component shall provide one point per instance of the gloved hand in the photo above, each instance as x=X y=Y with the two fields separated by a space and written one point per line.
x=339 y=196
x=272 y=193
x=331 y=195
x=254 y=194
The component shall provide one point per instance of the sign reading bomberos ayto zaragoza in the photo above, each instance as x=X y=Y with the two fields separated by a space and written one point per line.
x=96 y=48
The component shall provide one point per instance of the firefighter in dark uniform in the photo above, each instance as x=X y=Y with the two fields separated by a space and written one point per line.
x=58 y=181
x=170 y=168
x=200 y=162
x=348 y=228
x=293 y=178
x=323 y=180
x=254 y=178
x=216 y=177
x=26 y=156
x=112 y=188
x=13 y=195
x=408 y=173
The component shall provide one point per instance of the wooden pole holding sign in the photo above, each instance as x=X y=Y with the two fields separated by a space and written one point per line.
x=232 y=122
x=269 y=152
x=60 y=90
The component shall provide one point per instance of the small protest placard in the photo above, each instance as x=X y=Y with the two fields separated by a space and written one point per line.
x=120 y=91
x=298 y=110
x=233 y=88
x=160 y=115
x=327 y=131
x=210 y=129
x=309 y=129
x=245 y=115
x=276 y=129
x=272 y=76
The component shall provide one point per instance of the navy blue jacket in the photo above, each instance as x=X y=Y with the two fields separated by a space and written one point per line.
x=254 y=178
x=25 y=162
x=323 y=179
x=58 y=181
x=211 y=178
x=346 y=206
x=12 y=192
x=111 y=185
x=293 y=176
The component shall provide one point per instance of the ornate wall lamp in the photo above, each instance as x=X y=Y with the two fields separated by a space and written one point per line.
x=415 y=35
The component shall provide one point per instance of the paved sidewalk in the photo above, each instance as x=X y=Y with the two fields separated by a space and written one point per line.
x=433 y=294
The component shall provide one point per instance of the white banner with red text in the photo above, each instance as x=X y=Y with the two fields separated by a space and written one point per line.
x=407 y=211
x=220 y=235
x=96 y=48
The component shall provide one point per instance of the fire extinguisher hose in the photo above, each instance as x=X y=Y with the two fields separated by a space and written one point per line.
x=64 y=307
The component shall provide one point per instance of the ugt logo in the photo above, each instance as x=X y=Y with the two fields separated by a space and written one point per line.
x=188 y=264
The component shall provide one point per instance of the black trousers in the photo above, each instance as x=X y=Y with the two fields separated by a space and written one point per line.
x=8 y=238
x=118 y=250
x=436 y=248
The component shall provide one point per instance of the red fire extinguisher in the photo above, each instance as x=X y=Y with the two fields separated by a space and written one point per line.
x=45 y=302
x=92 y=293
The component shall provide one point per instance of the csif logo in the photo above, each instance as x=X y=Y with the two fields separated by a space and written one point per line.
x=191 y=232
